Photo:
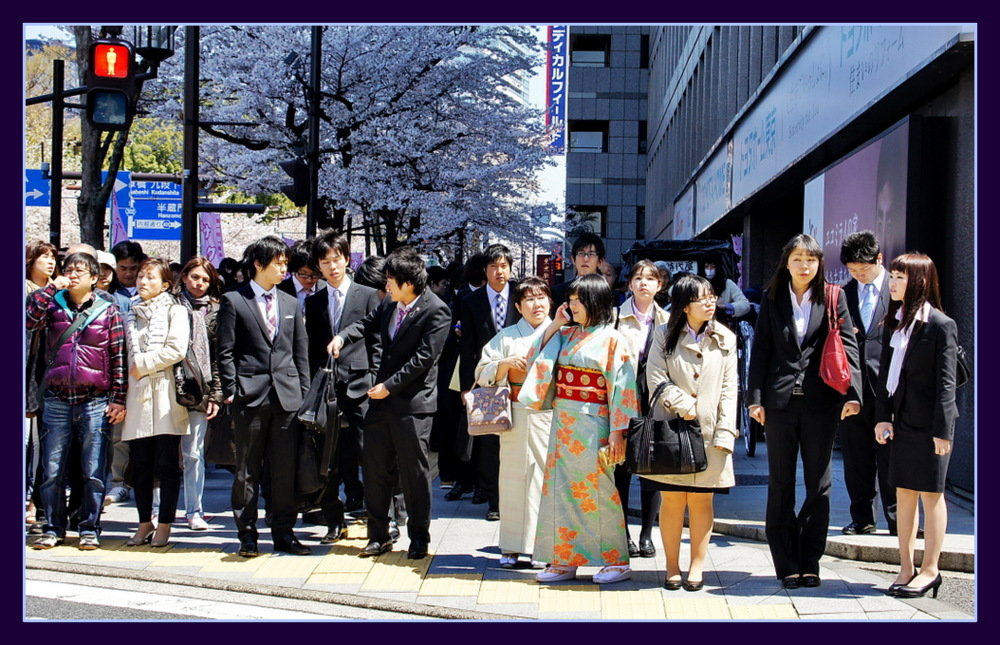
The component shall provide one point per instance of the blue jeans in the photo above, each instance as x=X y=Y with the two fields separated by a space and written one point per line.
x=193 y=451
x=60 y=423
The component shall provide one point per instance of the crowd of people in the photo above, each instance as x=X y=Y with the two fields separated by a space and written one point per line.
x=107 y=333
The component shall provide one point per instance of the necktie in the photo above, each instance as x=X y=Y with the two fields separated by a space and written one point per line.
x=337 y=306
x=272 y=316
x=399 y=318
x=868 y=305
x=500 y=311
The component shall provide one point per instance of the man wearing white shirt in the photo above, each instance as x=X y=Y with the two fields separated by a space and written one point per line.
x=304 y=280
x=865 y=461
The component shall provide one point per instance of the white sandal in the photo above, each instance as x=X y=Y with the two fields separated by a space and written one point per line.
x=556 y=573
x=613 y=573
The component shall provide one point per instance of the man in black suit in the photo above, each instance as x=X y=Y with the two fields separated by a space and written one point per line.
x=341 y=303
x=484 y=313
x=413 y=325
x=264 y=370
x=588 y=253
x=304 y=280
x=865 y=460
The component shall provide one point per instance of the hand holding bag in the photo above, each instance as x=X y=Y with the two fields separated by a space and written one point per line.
x=673 y=447
x=834 y=368
x=488 y=409
x=319 y=423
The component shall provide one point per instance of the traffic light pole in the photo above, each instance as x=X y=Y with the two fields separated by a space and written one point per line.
x=312 y=214
x=56 y=166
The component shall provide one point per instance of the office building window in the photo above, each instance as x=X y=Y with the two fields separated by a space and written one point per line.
x=583 y=219
x=642 y=137
x=644 y=52
x=640 y=222
x=590 y=50
x=588 y=136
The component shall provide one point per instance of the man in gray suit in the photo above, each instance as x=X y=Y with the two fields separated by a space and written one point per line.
x=264 y=370
x=341 y=303
x=865 y=461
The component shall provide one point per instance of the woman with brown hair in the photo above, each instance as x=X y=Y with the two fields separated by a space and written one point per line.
x=199 y=289
x=158 y=332
x=916 y=412
x=40 y=265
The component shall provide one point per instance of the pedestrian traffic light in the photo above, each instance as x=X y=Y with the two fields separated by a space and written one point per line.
x=111 y=84
x=298 y=190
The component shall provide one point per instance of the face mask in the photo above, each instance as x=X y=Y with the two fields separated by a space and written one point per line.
x=709 y=273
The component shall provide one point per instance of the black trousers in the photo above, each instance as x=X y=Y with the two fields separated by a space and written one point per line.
x=263 y=432
x=865 y=462
x=332 y=505
x=486 y=454
x=396 y=449
x=797 y=542
x=158 y=455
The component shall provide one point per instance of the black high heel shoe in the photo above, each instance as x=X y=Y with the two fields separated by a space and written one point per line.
x=896 y=586
x=906 y=591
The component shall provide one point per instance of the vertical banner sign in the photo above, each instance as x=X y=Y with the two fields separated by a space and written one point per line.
x=738 y=250
x=118 y=232
x=555 y=115
x=210 y=230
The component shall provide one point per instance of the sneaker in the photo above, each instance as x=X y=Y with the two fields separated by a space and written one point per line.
x=556 y=573
x=610 y=574
x=88 y=542
x=508 y=560
x=197 y=523
x=116 y=495
x=47 y=541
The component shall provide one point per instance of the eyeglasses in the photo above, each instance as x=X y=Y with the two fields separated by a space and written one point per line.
x=586 y=254
x=706 y=300
x=307 y=276
x=71 y=272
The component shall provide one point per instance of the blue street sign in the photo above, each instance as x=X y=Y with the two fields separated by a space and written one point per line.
x=37 y=191
x=122 y=190
x=155 y=220
x=162 y=190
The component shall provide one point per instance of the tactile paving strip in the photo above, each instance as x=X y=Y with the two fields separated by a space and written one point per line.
x=233 y=563
x=506 y=592
x=337 y=578
x=394 y=572
x=569 y=598
x=451 y=584
x=638 y=604
x=344 y=559
x=783 y=611
x=186 y=557
x=697 y=608
x=118 y=552
x=291 y=566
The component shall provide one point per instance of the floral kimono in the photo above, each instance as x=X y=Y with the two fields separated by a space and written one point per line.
x=585 y=374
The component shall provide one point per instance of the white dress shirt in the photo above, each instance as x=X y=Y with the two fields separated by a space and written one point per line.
x=801 y=312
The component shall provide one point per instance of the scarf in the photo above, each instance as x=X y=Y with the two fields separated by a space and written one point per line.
x=146 y=327
x=199 y=332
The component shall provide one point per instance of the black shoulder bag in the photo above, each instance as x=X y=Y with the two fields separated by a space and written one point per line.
x=320 y=421
x=673 y=447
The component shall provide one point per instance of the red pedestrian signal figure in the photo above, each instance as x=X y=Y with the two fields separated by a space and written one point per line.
x=111 y=85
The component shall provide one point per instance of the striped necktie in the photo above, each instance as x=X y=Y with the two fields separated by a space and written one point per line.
x=500 y=311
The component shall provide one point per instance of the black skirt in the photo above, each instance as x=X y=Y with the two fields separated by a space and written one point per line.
x=912 y=462
x=649 y=484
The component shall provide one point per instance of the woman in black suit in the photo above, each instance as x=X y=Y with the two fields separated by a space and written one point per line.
x=800 y=409
x=916 y=411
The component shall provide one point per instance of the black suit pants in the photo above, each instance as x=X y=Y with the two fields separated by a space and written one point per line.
x=486 y=454
x=797 y=542
x=396 y=448
x=263 y=433
x=865 y=462
x=351 y=411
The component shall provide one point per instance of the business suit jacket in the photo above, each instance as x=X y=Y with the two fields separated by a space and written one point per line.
x=925 y=395
x=250 y=361
x=777 y=360
x=409 y=362
x=358 y=362
x=479 y=328
x=869 y=340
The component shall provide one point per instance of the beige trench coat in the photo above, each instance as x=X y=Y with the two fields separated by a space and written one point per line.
x=151 y=407
x=700 y=378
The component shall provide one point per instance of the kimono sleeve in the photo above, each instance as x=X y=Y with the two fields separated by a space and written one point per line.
x=619 y=373
x=539 y=386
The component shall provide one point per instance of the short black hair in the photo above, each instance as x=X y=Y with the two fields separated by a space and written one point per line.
x=589 y=239
x=371 y=273
x=330 y=240
x=595 y=295
x=405 y=265
x=495 y=252
x=861 y=246
x=436 y=274
x=300 y=256
x=85 y=259
x=128 y=249
x=475 y=269
x=263 y=251
x=530 y=285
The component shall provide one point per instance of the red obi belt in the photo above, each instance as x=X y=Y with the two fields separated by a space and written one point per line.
x=580 y=384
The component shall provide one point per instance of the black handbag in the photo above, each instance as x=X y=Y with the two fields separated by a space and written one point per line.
x=962 y=370
x=319 y=422
x=189 y=383
x=673 y=447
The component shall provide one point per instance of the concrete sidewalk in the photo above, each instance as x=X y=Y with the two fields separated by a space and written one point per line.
x=462 y=578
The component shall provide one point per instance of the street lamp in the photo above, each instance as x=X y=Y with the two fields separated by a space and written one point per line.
x=154 y=44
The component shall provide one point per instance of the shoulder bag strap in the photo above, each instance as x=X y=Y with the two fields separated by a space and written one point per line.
x=80 y=320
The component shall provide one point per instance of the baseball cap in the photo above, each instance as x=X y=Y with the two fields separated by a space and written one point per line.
x=103 y=257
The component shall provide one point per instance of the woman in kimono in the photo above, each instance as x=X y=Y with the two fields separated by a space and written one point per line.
x=586 y=375
x=523 y=449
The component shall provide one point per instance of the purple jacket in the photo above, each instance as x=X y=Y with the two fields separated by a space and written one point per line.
x=84 y=359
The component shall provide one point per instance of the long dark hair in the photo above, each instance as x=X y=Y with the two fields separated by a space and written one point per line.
x=595 y=295
x=686 y=290
x=921 y=286
x=214 y=291
x=781 y=279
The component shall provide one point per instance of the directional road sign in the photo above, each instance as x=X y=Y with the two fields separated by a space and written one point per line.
x=156 y=213
x=37 y=191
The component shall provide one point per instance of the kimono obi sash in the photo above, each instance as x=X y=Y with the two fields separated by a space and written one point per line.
x=515 y=378
x=581 y=384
